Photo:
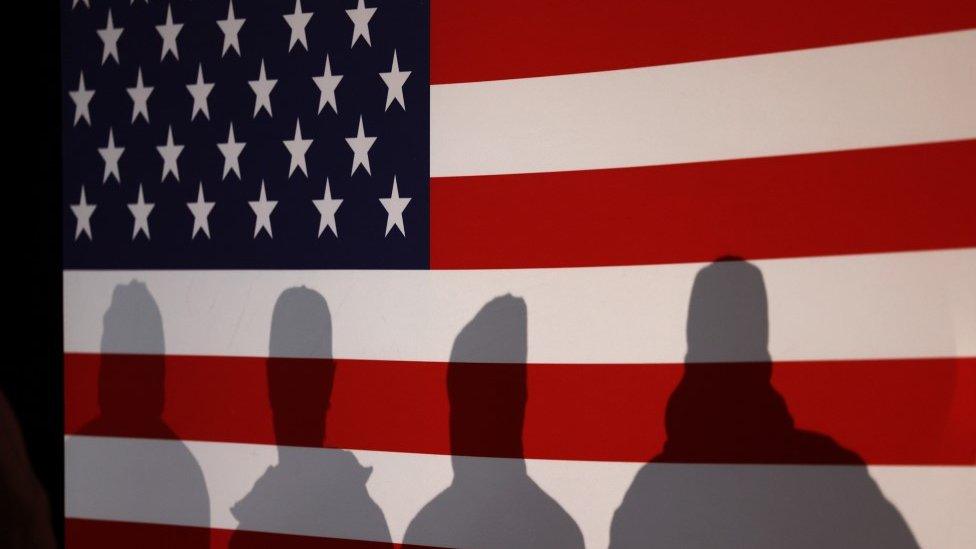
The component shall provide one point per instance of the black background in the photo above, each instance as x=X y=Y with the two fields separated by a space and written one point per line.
x=31 y=379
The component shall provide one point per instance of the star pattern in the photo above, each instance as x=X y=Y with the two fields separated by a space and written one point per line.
x=360 y=145
x=110 y=39
x=298 y=21
x=169 y=31
x=394 y=206
x=262 y=92
x=262 y=208
x=140 y=215
x=231 y=150
x=394 y=80
x=327 y=207
x=327 y=84
x=231 y=27
x=360 y=17
x=111 y=155
x=141 y=62
x=201 y=214
x=297 y=147
x=200 y=91
x=83 y=212
x=82 y=98
x=140 y=98
x=170 y=153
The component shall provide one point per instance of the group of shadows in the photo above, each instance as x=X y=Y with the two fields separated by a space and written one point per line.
x=720 y=413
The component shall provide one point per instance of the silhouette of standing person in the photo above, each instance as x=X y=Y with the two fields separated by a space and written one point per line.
x=131 y=392
x=310 y=491
x=725 y=412
x=491 y=502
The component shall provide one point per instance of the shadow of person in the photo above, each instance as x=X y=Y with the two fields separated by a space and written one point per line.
x=491 y=502
x=312 y=492
x=162 y=481
x=726 y=413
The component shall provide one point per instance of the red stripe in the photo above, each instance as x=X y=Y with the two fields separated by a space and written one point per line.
x=888 y=411
x=103 y=534
x=473 y=41
x=875 y=200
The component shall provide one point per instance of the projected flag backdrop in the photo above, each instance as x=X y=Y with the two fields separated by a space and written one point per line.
x=410 y=161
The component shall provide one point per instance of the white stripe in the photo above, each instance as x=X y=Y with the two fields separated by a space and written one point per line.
x=936 y=502
x=873 y=94
x=918 y=304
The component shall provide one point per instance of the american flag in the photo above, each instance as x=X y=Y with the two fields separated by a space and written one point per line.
x=519 y=273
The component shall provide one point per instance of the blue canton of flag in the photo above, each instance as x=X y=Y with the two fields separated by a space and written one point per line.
x=245 y=134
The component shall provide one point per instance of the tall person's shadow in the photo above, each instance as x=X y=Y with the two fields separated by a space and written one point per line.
x=726 y=413
x=491 y=502
x=312 y=492
x=167 y=481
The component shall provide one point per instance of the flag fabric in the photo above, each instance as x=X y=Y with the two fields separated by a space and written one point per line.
x=231 y=152
x=519 y=273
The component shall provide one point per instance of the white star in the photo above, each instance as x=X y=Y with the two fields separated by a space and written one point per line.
x=110 y=39
x=83 y=212
x=170 y=153
x=360 y=19
x=297 y=21
x=394 y=81
x=200 y=91
x=82 y=97
x=140 y=98
x=262 y=92
x=111 y=154
x=394 y=209
x=327 y=207
x=262 y=211
x=297 y=147
x=230 y=28
x=140 y=214
x=231 y=150
x=201 y=212
x=360 y=146
x=74 y=3
x=327 y=84
x=169 y=32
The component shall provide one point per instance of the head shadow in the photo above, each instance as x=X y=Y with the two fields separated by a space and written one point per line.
x=311 y=491
x=725 y=409
x=492 y=501
x=734 y=471
x=132 y=373
x=143 y=480
x=486 y=381
x=300 y=370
